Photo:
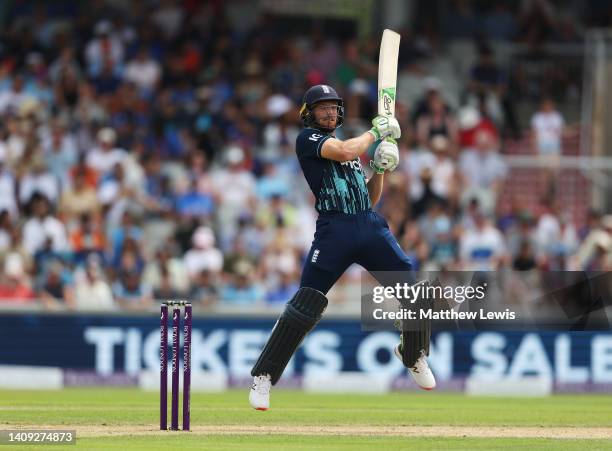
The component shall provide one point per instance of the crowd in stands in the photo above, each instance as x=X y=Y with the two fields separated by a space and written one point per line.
x=148 y=153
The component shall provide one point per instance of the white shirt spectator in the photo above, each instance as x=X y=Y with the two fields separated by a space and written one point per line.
x=42 y=182
x=198 y=260
x=37 y=230
x=104 y=46
x=203 y=256
x=15 y=147
x=547 y=127
x=480 y=248
x=93 y=295
x=234 y=187
x=482 y=170
x=443 y=176
x=103 y=161
x=413 y=166
x=144 y=72
x=552 y=238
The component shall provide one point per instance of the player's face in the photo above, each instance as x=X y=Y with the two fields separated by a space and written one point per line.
x=326 y=114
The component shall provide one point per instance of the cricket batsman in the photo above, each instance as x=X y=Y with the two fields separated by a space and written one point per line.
x=347 y=231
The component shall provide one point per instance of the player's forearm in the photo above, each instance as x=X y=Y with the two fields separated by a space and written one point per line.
x=375 y=186
x=354 y=147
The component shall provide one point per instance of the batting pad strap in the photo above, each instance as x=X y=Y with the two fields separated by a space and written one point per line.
x=301 y=314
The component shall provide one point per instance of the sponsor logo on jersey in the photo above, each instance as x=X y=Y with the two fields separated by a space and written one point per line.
x=315 y=255
x=354 y=164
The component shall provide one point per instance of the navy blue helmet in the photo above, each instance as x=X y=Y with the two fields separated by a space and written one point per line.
x=319 y=93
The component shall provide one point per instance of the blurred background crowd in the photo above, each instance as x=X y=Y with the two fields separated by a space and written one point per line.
x=147 y=147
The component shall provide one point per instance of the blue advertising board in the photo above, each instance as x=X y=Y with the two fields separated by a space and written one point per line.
x=110 y=344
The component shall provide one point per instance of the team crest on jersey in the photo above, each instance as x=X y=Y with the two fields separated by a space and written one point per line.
x=354 y=164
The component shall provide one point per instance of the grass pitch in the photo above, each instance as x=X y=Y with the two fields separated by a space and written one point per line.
x=128 y=419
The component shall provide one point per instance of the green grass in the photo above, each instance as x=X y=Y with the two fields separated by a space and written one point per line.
x=105 y=408
x=300 y=442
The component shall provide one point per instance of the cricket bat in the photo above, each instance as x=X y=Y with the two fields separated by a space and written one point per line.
x=387 y=72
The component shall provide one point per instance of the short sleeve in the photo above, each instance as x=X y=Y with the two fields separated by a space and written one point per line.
x=309 y=143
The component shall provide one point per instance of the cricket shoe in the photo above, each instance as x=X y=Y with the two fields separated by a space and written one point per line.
x=421 y=373
x=259 y=397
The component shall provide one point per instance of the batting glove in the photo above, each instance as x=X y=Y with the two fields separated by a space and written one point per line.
x=383 y=126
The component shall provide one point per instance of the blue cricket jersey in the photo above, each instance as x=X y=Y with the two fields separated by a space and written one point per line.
x=337 y=186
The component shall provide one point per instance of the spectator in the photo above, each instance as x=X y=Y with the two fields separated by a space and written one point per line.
x=525 y=259
x=554 y=239
x=482 y=248
x=203 y=255
x=65 y=64
x=522 y=234
x=191 y=202
x=60 y=152
x=277 y=212
x=236 y=188
x=56 y=290
x=89 y=174
x=547 y=126
x=91 y=290
x=241 y=289
x=87 y=237
x=596 y=249
x=488 y=84
x=279 y=256
x=547 y=129
x=14 y=285
x=43 y=226
x=144 y=72
x=131 y=293
x=283 y=288
x=444 y=173
x=236 y=257
x=443 y=247
x=483 y=171
x=39 y=180
x=103 y=49
x=79 y=200
x=166 y=269
x=428 y=197
x=205 y=289
x=437 y=120
x=14 y=100
x=106 y=156
x=471 y=123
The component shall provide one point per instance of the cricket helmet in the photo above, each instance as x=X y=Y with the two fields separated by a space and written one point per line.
x=319 y=93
